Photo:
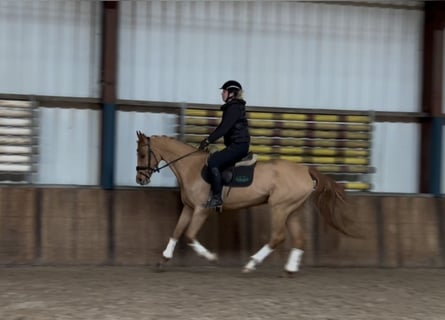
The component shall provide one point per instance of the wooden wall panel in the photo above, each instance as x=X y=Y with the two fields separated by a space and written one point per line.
x=440 y=210
x=74 y=226
x=58 y=226
x=92 y=229
x=412 y=229
x=144 y=221
x=17 y=225
x=231 y=234
x=336 y=249
x=132 y=227
x=389 y=231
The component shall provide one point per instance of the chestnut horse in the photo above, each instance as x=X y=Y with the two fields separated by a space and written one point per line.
x=282 y=184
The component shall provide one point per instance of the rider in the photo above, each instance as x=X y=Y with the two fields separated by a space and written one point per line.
x=235 y=130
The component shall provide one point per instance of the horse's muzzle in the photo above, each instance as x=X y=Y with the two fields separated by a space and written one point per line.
x=142 y=179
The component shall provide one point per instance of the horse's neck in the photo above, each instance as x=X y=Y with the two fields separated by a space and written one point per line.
x=172 y=150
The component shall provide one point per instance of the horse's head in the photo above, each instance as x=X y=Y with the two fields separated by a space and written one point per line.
x=147 y=161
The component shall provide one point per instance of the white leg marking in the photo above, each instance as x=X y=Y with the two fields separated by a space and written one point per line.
x=250 y=266
x=257 y=258
x=262 y=254
x=202 y=251
x=293 y=262
x=168 y=252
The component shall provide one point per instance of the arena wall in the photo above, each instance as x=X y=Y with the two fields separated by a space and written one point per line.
x=66 y=226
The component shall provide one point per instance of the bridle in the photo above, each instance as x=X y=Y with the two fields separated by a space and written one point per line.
x=150 y=169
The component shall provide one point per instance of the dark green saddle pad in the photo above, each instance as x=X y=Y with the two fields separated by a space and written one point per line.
x=239 y=175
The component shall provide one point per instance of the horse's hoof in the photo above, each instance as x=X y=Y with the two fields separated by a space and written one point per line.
x=250 y=266
x=248 y=270
x=159 y=267
x=287 y=274
x=213 y=258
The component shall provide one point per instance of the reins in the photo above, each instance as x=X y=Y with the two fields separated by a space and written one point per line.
x=171 y=162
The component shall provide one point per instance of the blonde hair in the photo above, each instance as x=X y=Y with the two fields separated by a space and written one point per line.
x=238 y=95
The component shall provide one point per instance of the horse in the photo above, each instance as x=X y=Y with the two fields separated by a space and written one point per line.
x=284 y=185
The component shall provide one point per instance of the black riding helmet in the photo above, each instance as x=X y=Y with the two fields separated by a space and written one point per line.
x=232 y=85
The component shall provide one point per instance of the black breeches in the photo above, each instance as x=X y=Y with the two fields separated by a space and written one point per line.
x=223 y=159
x=228 y=156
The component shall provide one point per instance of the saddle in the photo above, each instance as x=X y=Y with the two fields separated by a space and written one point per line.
x=238 y=175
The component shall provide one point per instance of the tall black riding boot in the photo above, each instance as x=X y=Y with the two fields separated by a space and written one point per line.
x=216 y=184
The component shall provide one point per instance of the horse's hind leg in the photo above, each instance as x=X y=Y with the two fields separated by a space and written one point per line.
x=279 y=216
x=298 y=241
x=183 y=222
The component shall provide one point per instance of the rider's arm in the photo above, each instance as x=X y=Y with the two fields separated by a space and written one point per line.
x=231 y=115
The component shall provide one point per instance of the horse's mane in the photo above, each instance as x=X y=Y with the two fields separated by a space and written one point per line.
x=173 y=140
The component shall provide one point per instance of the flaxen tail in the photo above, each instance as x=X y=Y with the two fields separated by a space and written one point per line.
x=330 y=199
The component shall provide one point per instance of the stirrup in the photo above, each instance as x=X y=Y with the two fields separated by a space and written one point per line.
x=214 y=202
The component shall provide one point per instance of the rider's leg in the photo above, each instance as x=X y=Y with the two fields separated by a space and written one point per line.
x=219 y=161
x=215 y=162
x=216 y=185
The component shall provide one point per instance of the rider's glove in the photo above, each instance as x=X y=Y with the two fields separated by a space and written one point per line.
x=204 y=144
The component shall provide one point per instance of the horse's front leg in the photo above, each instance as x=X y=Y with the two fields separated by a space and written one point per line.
x=199 y=217
x=183 y=222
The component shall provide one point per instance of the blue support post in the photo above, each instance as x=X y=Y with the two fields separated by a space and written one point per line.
x=432 y=98
x=108 y=80
x=108 y=145
x=436 y=155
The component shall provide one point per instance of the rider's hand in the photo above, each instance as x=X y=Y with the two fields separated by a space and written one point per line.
x=204 y=144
